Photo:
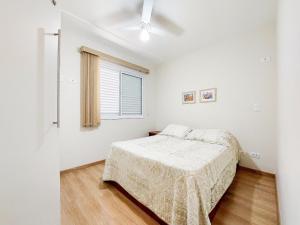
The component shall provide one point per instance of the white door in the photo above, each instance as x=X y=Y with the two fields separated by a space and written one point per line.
x=29 y=158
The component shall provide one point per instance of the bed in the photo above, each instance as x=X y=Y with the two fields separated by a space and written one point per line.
x=178 y=177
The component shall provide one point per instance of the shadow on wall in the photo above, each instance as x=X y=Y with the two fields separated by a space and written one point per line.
x=248 y=161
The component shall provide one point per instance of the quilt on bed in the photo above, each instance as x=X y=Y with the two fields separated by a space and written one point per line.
x=173 y=177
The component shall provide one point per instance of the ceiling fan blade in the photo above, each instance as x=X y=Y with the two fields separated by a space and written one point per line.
x=167 y=24
x=147 y=10
x=131 y=28
x=117 y=18
x=158 y=31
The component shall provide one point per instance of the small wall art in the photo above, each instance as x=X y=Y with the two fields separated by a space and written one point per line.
x=189 y=97
x=208 y=95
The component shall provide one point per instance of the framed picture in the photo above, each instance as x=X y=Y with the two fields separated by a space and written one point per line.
x=189 y=97
x=208 y=95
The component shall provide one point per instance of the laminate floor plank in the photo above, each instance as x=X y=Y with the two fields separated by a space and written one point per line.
x=87 y=200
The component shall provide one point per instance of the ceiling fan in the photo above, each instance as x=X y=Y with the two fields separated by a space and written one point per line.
x=146 y=17
x=152 y=22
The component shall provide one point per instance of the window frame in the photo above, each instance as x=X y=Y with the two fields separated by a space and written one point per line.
x=127 y=72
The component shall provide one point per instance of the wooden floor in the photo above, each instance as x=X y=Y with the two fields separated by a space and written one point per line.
x=86 y=200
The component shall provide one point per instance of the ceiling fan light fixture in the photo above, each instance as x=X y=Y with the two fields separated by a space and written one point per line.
x=144 y=35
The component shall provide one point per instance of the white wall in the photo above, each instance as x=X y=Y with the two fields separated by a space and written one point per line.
x=29 y=161
x=78 y=145
x=289 y=111
x=234 y=68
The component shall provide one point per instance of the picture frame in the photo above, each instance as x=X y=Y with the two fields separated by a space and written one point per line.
x=189 y=97
x=208 y=95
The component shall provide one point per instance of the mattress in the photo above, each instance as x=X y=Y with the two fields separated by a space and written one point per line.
x=179 y=180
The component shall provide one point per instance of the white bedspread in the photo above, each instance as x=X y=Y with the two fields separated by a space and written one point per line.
x=173 y=177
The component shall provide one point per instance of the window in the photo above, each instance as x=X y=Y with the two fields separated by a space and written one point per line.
x=121 y=92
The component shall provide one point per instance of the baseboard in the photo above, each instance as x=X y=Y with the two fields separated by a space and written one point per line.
x=277 y=201
x=239 y=167
x=257 y=171
x=82 y=166
x=102 y=161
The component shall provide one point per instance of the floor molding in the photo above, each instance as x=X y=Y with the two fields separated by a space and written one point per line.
x=102 y=201
x=82 y=166
x=102 y=161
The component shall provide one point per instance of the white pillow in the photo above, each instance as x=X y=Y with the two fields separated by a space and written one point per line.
x=212 y=136
x=196 y=134
x=176 y=131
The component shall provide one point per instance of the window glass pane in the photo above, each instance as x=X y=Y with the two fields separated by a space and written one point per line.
x=131 y=95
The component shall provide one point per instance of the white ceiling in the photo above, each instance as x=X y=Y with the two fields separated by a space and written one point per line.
x=203 y=22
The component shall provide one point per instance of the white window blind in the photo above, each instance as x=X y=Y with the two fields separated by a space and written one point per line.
x=109 y=91
x=131 y=95
x=121 y=92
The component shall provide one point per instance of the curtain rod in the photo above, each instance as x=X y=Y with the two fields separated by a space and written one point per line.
x=115 y=60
